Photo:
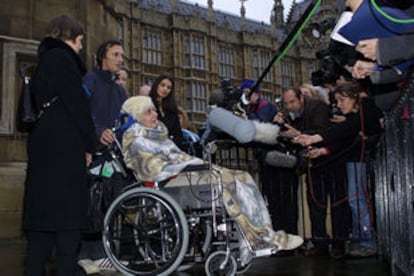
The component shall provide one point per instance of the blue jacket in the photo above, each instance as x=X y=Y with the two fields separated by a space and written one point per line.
x=106 y=100
x=263 y=111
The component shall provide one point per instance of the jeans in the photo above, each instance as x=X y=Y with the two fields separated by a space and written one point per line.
x=358 y=202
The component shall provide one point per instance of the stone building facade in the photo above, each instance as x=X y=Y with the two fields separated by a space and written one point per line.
x=197 y=45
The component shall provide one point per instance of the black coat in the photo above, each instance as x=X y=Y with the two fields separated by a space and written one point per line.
x=315 y=117
x=344 y=138
x=56 y=192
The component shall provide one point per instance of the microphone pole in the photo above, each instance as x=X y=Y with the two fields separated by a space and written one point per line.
x=289 y=41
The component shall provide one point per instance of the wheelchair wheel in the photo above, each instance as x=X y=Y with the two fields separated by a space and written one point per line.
x=145 y=233
x=214 y=261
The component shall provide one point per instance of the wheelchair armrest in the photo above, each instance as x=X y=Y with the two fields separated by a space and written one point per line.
x=196 y=167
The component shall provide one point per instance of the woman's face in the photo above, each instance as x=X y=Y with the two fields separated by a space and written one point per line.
x=77 y=44
x=164 y=88
x=345 y=104
x=149 y=118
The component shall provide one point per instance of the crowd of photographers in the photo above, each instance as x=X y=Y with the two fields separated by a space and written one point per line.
x=335 y=124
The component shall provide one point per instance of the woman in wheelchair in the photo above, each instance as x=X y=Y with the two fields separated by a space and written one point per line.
x=154 y=157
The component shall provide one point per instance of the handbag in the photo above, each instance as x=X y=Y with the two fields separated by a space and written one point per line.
x=27 y=112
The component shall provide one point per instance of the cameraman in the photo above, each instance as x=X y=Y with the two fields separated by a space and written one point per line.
x=258 y=109
x=311 y=116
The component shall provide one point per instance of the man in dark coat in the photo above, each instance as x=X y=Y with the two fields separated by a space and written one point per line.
x=325 y=180
x=59 y=148
x=107 y=98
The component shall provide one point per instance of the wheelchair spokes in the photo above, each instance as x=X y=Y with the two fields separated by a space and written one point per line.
x=152 y=235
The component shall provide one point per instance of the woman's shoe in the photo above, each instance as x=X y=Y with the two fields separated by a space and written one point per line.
x=286 y=241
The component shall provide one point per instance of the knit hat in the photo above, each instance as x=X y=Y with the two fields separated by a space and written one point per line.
x=137 y=105
x=247 y=83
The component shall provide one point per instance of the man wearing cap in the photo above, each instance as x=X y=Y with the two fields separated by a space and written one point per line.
x=257 y=108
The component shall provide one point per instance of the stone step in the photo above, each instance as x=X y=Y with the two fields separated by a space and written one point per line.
x=12 y=176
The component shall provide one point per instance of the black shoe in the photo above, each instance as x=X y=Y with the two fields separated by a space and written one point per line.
x=337 y=253
x=317 y=252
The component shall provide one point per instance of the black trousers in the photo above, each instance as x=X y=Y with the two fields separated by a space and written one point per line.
x=40 y=245
x=323 y=183
x=280 y=187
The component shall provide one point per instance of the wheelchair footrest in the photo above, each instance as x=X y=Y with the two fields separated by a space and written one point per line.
x=265 y=252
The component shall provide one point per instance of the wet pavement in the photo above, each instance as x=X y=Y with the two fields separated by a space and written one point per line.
x=12 y=254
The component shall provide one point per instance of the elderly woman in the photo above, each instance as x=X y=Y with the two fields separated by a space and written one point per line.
x=148 y=151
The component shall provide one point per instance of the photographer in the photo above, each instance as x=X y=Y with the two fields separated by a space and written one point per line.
x=311 y=116
x=342 y=138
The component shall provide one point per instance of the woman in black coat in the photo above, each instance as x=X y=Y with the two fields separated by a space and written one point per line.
x=163 y=96
x=59 y=150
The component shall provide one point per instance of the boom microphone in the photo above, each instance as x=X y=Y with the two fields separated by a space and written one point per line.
x=281 y=160
x=241 y=129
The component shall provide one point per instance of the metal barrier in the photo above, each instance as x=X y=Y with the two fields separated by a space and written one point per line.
x=394 y=183
x=390 y=181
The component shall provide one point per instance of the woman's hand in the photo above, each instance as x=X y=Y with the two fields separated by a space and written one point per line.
x=316 y=152
x=337 y=119
x=307 y=140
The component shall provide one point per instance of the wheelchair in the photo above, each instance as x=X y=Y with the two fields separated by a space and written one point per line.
x=159 y=228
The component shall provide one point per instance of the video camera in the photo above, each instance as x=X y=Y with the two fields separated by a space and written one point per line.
x=332 y=63
x=231 y=95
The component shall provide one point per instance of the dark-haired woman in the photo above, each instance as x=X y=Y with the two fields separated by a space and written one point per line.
x=163 y=95
x=364 y=120
x=59 y=150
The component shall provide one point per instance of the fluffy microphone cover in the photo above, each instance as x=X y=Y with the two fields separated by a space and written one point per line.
x=266 y=133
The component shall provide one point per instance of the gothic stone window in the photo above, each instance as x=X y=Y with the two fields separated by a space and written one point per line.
x=195 y=54
x=17 y=53
x=195 y=96
x=151 y=47
x=287 y=74
x=266 y=95
x=226 y=62
x=260 y=61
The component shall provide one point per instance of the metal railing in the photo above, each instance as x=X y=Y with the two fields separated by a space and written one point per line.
x=394 y=185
